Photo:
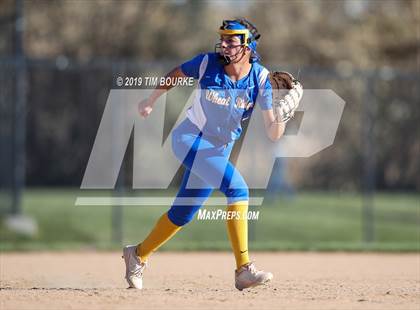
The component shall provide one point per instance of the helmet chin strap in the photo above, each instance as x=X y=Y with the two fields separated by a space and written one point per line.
x=226 y=60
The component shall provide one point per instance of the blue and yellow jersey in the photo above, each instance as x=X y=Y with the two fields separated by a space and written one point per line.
x=221 y=104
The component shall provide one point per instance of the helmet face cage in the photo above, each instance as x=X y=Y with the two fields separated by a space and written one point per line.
x=225 y=60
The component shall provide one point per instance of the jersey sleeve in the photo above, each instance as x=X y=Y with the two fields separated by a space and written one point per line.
x=265 y=95
x=191 y=68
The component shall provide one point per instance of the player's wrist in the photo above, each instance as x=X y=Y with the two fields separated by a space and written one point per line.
x=150 y=101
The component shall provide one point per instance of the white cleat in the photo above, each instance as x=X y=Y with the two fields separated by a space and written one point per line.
x=248 y=276
x=134 y=268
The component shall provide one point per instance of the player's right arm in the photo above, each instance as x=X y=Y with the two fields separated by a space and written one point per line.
x=190 y=68
x=145 y=106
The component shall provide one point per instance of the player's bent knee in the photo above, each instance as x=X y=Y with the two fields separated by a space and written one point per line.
x=178 y=217
x=237 y=194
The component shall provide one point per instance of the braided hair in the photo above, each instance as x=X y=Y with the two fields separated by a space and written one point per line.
x=250 y=26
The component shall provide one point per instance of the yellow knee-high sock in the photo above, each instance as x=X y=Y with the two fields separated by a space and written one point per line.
x=162 y=232
x=238 y=231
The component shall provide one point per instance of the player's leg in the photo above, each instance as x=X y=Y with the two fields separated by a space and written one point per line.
x=211 y=164
x=187 y=201
x=235 y=188
x=136 y=256
x=237 y=228
x=236 y=191
x=186 y=204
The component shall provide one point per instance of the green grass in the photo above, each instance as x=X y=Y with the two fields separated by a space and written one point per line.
x=323 y=221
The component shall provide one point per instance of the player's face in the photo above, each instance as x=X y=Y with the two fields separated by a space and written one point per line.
x=231 y=45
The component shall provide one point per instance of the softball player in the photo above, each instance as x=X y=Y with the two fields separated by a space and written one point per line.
x=231 y=80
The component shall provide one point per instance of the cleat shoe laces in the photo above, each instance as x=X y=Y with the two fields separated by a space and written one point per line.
x=248 y=276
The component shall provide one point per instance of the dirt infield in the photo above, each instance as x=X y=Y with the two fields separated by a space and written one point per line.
x=94 y=280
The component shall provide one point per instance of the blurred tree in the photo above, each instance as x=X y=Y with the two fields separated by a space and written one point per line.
x=336 y=44
x=7 y=24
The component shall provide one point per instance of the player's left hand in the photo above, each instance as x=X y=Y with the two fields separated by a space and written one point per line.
x=284 y=106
